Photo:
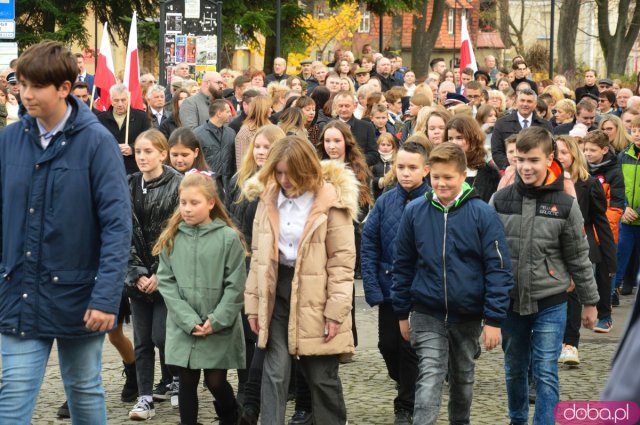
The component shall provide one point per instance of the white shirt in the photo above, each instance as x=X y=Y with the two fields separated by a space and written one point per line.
x=294 y=213
x=521 y=120
x=450 y=204
x=156 y=114
x=46 y=136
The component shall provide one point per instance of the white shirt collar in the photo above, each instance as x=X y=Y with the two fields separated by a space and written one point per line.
x=435 y=198
x=302 y=202
x=521 y=118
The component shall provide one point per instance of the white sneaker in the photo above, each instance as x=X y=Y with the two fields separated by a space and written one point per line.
x=143 y=410
x=563 y=354
x=570 y=354
x=174 y=401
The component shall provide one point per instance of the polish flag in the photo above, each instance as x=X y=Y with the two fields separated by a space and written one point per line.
x=105 y=72
x=131 y=67
x=467 y=58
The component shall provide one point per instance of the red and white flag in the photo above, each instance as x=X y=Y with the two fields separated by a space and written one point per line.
x=105 y=72
x=131 y=67
x=467 y=58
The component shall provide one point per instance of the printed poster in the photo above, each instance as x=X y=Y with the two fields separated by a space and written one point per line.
x=181 y=46
x=191 y=49
x=169 y=49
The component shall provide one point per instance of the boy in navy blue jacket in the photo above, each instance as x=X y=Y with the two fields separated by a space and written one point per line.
x=378 y=251
x=451 y=273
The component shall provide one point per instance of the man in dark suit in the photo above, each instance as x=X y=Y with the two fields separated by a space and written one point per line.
x=155 y=105
x=240 y=84
x=114 y=120
x=523 y=117
x=82 y=74
x=279 y=74
x=344 y=104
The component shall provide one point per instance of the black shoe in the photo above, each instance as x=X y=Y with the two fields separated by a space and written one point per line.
x=130 y=389
x=615 y=298
x=626 y=290
x=162 y=391
x=63 y=411
x=402 y=417
x=248 y=415
x=301 y=417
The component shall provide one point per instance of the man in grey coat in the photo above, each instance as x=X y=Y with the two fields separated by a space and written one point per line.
x=195 y=109
x=218 y=142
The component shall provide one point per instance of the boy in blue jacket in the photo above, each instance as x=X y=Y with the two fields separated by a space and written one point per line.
x=66 y=234
x=451 y=275
x=378 y=246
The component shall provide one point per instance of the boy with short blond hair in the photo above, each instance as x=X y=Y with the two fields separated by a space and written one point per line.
x=451 y=273
x=548 y=246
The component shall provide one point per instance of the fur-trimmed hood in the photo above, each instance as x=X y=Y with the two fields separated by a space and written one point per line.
x=341 y=178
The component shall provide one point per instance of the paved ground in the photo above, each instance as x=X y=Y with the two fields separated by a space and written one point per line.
x=368 y=389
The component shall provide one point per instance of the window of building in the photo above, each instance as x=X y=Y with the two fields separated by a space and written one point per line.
x=450 y=19
x=365 y=23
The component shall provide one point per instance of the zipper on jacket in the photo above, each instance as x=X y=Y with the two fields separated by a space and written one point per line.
x=444 y=267
x=499 y=255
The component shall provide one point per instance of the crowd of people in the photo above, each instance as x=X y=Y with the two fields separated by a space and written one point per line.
x=228 y=220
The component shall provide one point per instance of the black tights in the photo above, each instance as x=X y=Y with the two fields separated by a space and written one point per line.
x=216 y=380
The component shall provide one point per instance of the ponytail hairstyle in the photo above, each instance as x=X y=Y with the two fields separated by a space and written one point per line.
x=203 y=181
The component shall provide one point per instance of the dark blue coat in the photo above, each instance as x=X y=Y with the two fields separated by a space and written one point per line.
x=379 y=239
x=66 y=226
x=453 y=264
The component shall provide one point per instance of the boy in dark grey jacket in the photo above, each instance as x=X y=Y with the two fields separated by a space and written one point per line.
x=548 y=247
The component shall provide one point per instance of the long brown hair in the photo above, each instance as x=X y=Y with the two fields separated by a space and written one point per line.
x=208 y=189
x=304 y=170
x=353 y=158
x=175 y=100
x=258 y=112
x=475 y=137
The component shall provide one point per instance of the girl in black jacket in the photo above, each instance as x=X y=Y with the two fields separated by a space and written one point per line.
x=242 y=212
x=602 y=250
x=465 y=132
x=387 y=149
x=154 y=198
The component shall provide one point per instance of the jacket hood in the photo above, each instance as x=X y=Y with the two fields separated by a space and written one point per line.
x=553 y=183
x=467 y=193
x=608 y=161
x=201 y=229
x=341 y=177
x=416 y=192
x=81 y=116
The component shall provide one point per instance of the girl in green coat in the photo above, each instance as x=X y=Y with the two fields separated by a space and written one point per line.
x=201 y=278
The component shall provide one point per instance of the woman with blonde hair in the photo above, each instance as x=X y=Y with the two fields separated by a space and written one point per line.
x=291 y=121
x=417 y=102
x=565 y=111
x=498 y=100
x=303 y=253
x=346 y=84
x=278 y=95
x=423 y=88
x=555 y=92
x=259 y=114
x=614 y=129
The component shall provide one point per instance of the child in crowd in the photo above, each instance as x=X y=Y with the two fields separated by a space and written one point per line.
x=465 y=132
x=451 y=272
x=154 y=197
x=299 y=290
x=630 y=227
x=603 y=165
x=201 y=278
x=545 y=231
x=437 y=124
x=378 y=243
x=380 y=119
x=387 y=149
x=509 y=176
x=602 y=249
x=185 y=151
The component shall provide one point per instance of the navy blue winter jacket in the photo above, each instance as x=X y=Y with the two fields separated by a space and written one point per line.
x=66 y=226
x=379 y=240
x=452 y=263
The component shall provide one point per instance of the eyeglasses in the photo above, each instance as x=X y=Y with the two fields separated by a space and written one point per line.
x=474 y=96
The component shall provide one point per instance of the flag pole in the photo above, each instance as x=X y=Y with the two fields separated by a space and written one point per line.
x=126 y=132
x=93 y=92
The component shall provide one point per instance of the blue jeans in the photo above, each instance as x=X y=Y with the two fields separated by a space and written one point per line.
x=628 y=240
x=535 y=338
x=443 y=347
x=24 y=362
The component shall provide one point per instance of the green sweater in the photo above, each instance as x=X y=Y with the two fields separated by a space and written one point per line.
x=203 y=278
